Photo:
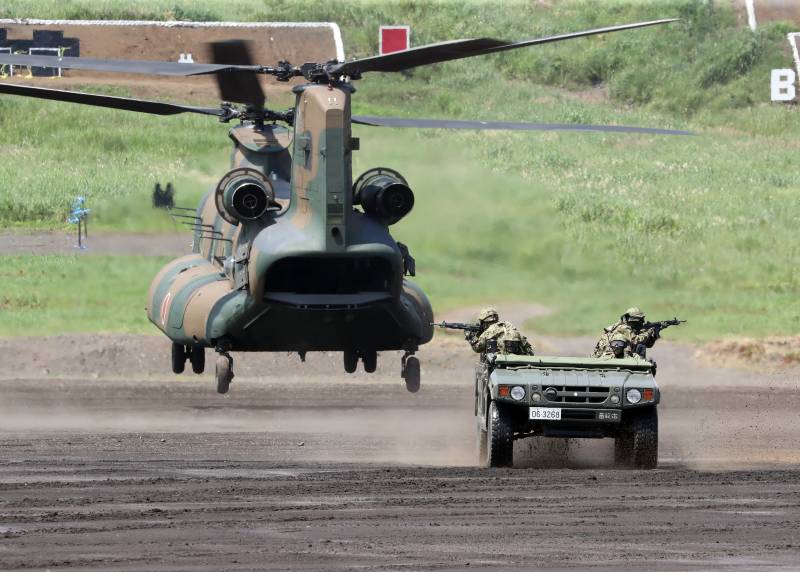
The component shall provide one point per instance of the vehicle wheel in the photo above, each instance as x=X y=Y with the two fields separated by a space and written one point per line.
x=198 y=359
x=483 y=457
x=224 y=373
x=178 y=357
x=412 y=375
x=500 y=437
x=637 y=443
x=622 y=446
x=370 y=359
x=350 y=361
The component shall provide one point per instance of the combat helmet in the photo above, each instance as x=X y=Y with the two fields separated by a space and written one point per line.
x=488 y=315
x=511 y=341
x=617 y=344
x=633 y=312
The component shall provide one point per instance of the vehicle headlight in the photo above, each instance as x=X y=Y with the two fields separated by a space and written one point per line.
x=615 y=399
x=634 y=396
x=517 y=392
x=536 y=397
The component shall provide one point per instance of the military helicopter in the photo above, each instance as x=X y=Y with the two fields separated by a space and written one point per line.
x=283 y=260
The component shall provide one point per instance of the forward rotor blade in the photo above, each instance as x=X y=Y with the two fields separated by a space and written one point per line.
x=122 y=66
x=457 y=49
x=128 y=104
x=504 y=125
x=238 y=87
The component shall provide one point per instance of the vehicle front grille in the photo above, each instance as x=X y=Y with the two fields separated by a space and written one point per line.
x=576 y=394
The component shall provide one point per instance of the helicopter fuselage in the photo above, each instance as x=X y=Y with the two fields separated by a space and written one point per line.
x=312 y=274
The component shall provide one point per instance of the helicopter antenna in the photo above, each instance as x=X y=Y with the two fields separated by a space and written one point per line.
x=212 y=237
x=207 y=228
x=174 y=215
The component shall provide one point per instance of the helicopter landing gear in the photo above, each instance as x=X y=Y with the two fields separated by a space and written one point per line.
x=224 y=372
x=179 y=356
x=350 y=361
x=370 y=360
x=368 y=357
x=197 y=357
x=410 y=372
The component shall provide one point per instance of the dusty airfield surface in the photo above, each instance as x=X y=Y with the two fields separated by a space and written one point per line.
x=108 y=461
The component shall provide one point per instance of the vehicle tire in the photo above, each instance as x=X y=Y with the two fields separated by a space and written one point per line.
x=636 y=445
x=500 y=436
x=178 y=357
x=224 y=372
x=198 y=359
x=411 y=374
x=350 y=361
x=623 y=446
x=481 y=445
x=370 y=359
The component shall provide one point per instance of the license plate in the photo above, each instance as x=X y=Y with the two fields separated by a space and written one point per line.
x=545 y=413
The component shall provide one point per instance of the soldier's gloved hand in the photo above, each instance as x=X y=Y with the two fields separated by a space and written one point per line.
x=469 y=336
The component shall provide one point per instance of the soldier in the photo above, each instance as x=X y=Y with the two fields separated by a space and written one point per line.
x=509 y=339
x=618 y=347
x=630 y=327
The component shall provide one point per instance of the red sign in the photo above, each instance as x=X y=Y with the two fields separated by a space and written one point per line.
x=394 y=39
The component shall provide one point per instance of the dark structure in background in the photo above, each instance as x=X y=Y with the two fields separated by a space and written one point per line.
x=44 y=42
x=163 y=198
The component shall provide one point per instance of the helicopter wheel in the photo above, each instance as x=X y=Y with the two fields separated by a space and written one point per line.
x=411 y=374
x=350 y=361
x=178 y=357
x=370 y=359
x=197 y=357
x=224 y=373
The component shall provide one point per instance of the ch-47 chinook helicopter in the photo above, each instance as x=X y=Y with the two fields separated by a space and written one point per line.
x=282 y=258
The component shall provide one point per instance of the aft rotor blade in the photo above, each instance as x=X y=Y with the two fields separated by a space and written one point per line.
x=457 y=49
x=122 y=66
x=238 y=87
x=125 y=103
x=504 y=125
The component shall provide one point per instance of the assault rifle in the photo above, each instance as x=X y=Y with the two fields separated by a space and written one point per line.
x=658 y=326
x=471 y=328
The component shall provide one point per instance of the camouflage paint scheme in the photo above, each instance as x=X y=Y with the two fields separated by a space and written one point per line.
x=199 y=300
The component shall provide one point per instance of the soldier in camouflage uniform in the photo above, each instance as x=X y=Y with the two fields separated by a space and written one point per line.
x=629 y=327
x=509 y=339
x=618 y=348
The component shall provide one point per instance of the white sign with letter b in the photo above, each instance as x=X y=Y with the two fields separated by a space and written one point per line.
x=782 y=85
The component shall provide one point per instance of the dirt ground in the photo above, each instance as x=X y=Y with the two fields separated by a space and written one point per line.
x=108 y=461
x=21 y=243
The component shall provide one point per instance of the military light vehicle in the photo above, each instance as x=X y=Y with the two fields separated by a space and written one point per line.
x=289 y=253
x=520 y=397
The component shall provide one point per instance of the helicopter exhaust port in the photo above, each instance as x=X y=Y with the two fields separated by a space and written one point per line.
x=244 y=195
x=383 y=194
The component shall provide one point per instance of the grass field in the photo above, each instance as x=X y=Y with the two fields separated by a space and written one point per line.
x=703 y=227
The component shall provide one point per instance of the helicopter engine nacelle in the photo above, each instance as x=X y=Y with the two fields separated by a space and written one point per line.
x=244 y=195
x=384 y=194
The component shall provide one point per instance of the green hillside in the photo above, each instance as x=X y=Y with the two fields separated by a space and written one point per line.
x=702 y=227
